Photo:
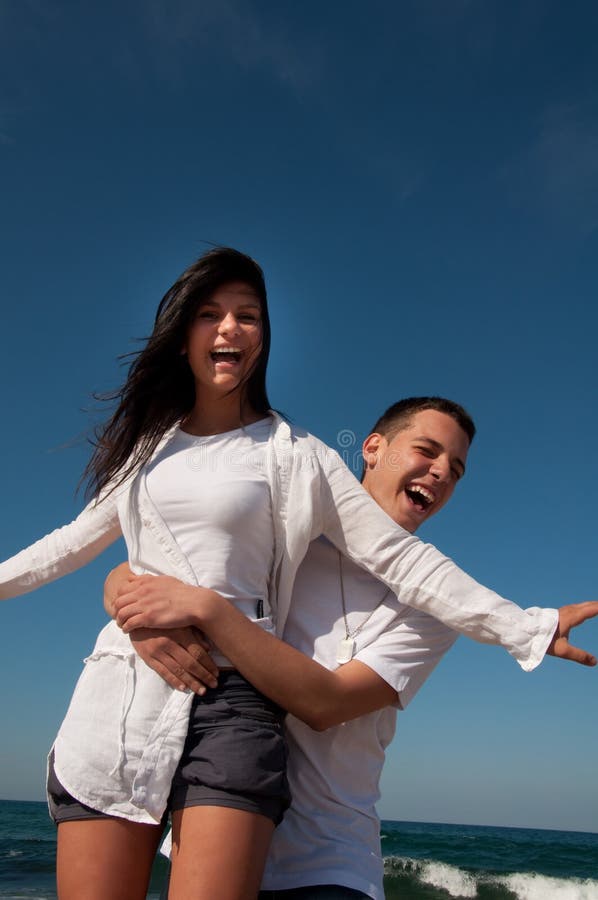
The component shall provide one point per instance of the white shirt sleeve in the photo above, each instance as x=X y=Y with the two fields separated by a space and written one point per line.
x=63 y=550
x=408 y=651
x=421 y=576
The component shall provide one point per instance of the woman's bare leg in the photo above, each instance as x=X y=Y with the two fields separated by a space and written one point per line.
x=105 y=858
x=218 y=853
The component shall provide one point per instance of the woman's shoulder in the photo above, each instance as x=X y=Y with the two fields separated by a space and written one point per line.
x=303 y=442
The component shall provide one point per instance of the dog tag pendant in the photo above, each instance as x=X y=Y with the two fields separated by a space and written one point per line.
x=345 y=650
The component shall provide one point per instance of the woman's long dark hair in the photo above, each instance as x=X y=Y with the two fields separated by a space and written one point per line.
x=160 y=389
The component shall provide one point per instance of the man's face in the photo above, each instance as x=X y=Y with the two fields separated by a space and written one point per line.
x=414 y=475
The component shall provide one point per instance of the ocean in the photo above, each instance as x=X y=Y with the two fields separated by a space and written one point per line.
x=423 y=861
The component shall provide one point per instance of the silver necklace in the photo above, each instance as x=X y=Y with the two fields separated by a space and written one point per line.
x=346 y=645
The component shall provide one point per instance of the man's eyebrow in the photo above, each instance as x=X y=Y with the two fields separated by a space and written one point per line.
x=438 y=446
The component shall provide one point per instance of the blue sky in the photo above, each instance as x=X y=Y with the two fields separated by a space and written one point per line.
x=419 y=181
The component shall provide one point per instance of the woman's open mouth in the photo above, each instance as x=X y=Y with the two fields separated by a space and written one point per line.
x=230 y=355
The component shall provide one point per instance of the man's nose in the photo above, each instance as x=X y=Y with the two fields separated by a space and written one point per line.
x=441 y=469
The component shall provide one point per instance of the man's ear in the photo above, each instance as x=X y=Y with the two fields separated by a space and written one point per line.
x=371 y=448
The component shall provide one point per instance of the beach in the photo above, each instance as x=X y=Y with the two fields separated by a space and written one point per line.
x=423 y=861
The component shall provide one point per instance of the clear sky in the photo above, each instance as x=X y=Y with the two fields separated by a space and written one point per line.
x=419 y=181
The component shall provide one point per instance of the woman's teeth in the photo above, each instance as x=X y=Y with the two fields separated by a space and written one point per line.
x=226 y=354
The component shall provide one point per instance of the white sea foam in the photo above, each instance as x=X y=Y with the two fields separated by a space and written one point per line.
x=461 y=884
x=455 y=882
x=530 y=886
x=451 y=879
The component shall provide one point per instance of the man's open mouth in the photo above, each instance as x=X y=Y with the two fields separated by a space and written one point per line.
x=420 y=496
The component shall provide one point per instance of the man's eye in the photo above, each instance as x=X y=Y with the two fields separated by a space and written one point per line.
x=427 y=451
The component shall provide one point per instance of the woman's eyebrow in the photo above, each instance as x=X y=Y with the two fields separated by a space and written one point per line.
x=245 y=301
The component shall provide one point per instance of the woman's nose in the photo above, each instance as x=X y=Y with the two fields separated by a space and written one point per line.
x=229 y=324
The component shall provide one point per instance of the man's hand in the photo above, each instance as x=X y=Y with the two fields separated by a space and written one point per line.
x=180 y=656
x=116 y=580
x=158 y=601
x=569 y=617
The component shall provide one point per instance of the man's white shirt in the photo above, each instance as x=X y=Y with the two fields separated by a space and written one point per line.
x=331 y=833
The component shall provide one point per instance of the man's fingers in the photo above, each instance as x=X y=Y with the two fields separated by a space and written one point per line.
x=123 y=615
x=126 y=585
x=132 y=622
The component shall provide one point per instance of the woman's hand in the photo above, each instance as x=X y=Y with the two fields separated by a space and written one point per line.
x=569 y=617
x=158 y=601
x=181 y=656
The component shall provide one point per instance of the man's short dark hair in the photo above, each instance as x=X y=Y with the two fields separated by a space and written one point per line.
x=398 y=416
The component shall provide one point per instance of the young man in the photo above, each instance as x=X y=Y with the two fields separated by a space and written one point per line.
x=369 y=656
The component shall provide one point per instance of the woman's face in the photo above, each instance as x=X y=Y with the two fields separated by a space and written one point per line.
x=225 y=339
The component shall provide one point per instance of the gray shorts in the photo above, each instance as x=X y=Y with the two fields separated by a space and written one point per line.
x=316 y=892
x=235 y=756
x=62 y=805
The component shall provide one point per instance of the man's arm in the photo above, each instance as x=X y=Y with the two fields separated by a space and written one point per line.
x=311 y=692
x=178 y=604
x=314 y=694
x=181 y=656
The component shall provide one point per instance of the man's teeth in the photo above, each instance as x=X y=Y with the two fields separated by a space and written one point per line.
x=425 y=495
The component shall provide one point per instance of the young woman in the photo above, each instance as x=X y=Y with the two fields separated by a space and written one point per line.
x=207 y=484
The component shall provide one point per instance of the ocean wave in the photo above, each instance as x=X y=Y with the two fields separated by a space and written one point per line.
x=539 y=887
x=460 y=883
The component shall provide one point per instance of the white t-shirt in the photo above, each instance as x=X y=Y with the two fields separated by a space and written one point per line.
x=213 y=494
x=331 y=833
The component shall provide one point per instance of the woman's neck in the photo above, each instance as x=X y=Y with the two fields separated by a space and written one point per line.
x=216 y=418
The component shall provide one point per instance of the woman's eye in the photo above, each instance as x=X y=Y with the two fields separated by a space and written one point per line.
x=247 y=317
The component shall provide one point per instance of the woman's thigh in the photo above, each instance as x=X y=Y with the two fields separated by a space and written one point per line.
x=218 y=852
x=105 y=857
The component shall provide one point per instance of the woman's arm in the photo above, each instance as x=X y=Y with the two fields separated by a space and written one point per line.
x=64 y=550
x=421 y=576
x=319 y=697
